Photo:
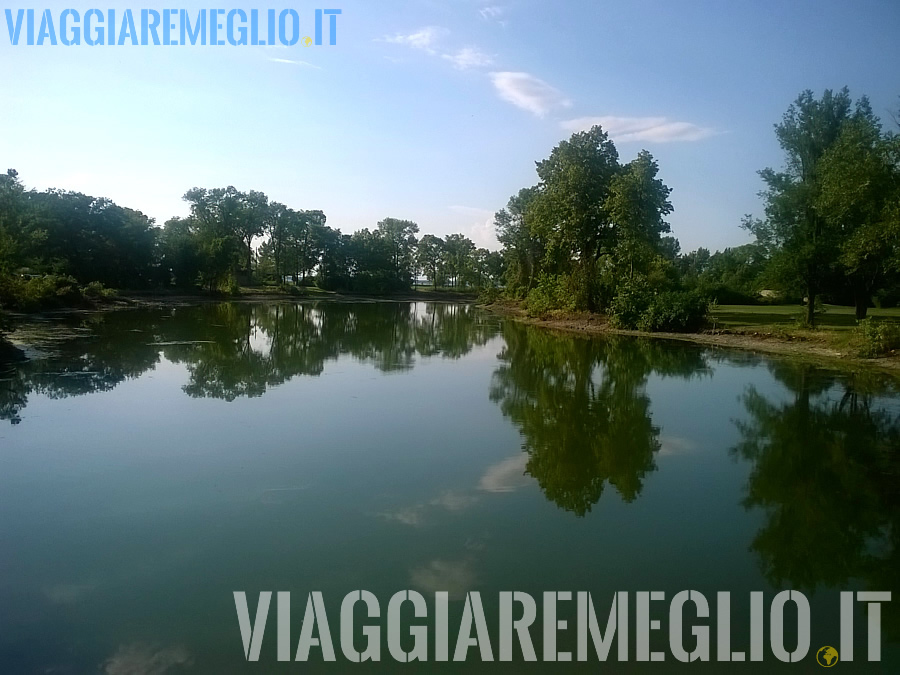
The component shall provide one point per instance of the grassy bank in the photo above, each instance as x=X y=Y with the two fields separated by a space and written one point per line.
x=769 y=329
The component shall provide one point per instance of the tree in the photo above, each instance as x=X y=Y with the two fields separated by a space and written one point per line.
x=180 y=253
x=430 y=257
x=216 y=214
x=859 y=186
x=12 y=222
x=523 y=247
x=805 y=242
x=637 y=205
x=571 y=211
x=400 y=236
x=458 y=249
x=251 y=223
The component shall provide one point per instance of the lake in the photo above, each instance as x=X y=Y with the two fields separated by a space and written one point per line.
x=154 y=461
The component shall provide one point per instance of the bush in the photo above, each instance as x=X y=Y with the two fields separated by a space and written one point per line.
x=230 y=286
x=489 y=295
x=551 y=293
x=97 y=291
x=48 y=292
x=636 y=307
x=675 y=312
x=288 y=289
x=629 y=304
x=877 y=338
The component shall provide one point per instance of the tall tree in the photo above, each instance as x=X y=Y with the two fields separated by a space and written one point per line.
x=400 y=236
x=430 y=255
x=859 y=186
x=638 y=203
x=805 y=243
x=571 y=212
x=522 y=244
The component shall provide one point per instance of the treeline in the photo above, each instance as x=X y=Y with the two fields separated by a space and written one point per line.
x=592 y=235
x=58 y=246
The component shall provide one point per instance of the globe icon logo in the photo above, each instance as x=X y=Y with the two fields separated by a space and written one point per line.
x=307 y=41
x=827 y=657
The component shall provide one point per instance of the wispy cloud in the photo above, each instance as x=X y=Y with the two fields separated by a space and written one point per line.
x=648 y=129
x=491 y=12
x=469 y=57
x=305 y=64
x=425 y=38
x=526 y=91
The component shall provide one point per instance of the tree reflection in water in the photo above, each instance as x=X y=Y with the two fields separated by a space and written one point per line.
x=582 y=408
x=233 y=350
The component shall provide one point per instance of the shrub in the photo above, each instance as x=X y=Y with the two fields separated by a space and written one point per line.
x=489 y=295
x=629 y=304
x=97 y=291
x=675 y=312
x=636 y=307
x=48 y=292
x=288 y=289
x=551 y=293
x=877 y=338
x=39 y=292
x=230 y=286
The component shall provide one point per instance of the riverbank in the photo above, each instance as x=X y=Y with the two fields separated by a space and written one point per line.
x=825 y=347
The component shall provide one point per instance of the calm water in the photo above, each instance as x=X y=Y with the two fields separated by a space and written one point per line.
x=154 y=461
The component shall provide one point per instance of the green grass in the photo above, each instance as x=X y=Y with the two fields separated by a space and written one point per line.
x=782 y=317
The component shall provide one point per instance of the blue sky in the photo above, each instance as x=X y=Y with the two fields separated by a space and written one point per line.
x=437 y=111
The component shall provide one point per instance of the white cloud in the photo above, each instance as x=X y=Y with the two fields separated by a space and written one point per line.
x=424 y=38
x=469 y=57
x=481 y=229
x=526 y=91
x=305 y=64
x=650 y=129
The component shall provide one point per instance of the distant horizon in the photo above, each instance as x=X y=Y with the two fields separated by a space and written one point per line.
x=437 y=114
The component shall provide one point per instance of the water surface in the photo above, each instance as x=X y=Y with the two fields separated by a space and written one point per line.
x=154 y=461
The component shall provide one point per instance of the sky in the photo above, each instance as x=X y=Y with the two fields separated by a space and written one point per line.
x=435 y=111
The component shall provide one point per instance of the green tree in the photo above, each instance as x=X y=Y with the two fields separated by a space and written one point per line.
x=400 y=236
x=805 y=244
x=860 y=183
x=430 y=257
x=637 y=205
x=458 y=251
x=522 y=245
x=571 y=212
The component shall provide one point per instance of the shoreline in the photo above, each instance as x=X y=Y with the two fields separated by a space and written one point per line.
x=797 y=347
x=584 y=323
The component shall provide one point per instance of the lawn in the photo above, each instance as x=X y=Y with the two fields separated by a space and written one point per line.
x=835 y=317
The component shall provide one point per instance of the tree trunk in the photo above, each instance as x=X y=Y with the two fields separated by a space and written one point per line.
x=811 y=310
x=249 y=261
x=862 y=305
